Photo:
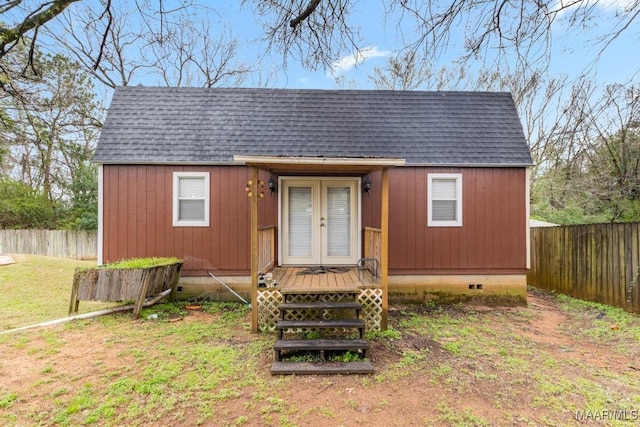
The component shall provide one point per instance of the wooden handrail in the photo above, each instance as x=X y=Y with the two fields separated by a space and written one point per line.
x=372 y=244
x=266 y=247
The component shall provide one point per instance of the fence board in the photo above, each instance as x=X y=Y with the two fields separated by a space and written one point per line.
x=75 y=244
x=633 y=295
x=595 y=262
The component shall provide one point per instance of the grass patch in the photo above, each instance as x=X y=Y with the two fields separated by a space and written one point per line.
x=389 y=334
x=611 y=326
x=6 y=401
x=143 y=262
x=37 y=288
x=460 y=417
x=465 y=366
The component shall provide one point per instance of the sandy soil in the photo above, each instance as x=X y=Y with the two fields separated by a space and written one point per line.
x=85 y=355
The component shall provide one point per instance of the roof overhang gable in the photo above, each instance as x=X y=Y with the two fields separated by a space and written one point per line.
x=292 y=164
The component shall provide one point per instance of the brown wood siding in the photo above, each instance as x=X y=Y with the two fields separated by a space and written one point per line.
x=138 y=221
x=492 y=239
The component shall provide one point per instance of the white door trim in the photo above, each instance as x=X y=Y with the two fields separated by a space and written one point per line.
x=356 y=234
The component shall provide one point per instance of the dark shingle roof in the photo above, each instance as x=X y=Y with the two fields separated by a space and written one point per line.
x=198 y=125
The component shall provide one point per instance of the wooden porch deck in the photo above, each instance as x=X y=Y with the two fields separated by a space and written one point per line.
x=293 y=280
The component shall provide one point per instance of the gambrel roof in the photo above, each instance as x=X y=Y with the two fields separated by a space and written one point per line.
x=212 y=125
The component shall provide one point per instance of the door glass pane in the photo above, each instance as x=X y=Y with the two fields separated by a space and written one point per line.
x=300 y=221
x=339 y=221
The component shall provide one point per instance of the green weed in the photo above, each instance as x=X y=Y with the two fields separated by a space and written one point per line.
x=301 y=357
x=389 y=334
x=82 y=401
x=241 y=420
x=346 y=357
x=312 y=335
x=454 y=347
x=460 y=417
x=143 y=262
x=6 y=401
x=409 y=358
x=274 y=404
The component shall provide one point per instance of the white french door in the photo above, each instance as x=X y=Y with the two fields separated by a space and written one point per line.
x=319 y=221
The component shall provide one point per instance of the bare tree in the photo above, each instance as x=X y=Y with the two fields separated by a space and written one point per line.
x=84 y=35
x=535 y=94
x=409 y=71
x=317 y=32
x=592 y=171
x=181 y=51
x=191 y=55
x=314 y=32
x=613 y=150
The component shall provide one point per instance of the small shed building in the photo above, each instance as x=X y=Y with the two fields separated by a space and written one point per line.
x=426 y=192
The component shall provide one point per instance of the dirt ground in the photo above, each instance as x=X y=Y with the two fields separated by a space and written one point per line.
x=400 y=399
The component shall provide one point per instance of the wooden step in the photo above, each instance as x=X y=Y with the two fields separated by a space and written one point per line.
x=321 y=368
x=320 y=305
x=317 y=290
x=321 y=344
x=330 y=323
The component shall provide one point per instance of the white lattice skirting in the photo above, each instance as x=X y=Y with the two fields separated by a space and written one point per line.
x=268 y=313
x=270 y=299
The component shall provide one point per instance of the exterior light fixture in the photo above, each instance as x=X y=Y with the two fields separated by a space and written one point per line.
x=366 y=184
x=272 y=184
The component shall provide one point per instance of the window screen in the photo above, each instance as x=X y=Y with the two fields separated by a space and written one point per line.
x=445 y=200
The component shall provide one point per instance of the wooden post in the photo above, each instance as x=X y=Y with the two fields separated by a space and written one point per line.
x=254 y=249
x=74 y=303
x=384 y=247
x=174 y=284
x=137 y=308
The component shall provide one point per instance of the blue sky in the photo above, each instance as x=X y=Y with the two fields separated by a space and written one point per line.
x=572 y=53
x=379 y=44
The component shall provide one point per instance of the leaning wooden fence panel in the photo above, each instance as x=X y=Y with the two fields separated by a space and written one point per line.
x=595 y=262
x=122 y=284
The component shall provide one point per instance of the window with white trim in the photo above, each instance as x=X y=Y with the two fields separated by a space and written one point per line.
x=190 y=199
x=444 y=200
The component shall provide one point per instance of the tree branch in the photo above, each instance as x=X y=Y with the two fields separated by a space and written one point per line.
x=9 y=36
x=313 y=5
x=105 y=34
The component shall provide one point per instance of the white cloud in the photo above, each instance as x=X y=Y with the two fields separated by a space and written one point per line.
x=346 y=63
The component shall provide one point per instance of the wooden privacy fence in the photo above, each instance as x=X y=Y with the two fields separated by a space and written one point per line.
x=76 y=244
x=596 y=262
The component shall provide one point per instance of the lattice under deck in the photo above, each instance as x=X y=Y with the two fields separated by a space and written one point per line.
x=269 y=299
